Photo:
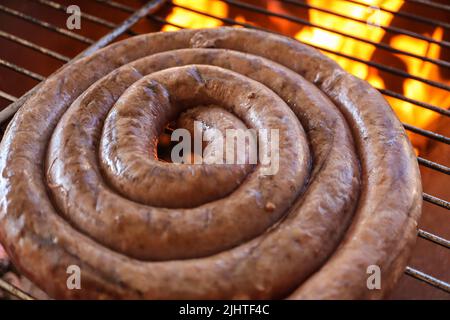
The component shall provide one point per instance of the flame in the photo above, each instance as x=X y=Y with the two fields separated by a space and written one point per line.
x=415 y=89
x=189 y=19
x=368 y=12
x=345 y=45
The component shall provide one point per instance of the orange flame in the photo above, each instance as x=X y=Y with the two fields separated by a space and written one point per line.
x=418 y=90
x=189 y=19
x=348 y=46
x=413 y=89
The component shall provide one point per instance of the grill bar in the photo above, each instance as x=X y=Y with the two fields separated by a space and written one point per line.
x=419 y=275
x=7 y=96
x=117 y=5
x=13 y=290
x=310 y=24
x=434 y=200
x=434 y=165
x=434 y=238
x=34 y=46
x=386 y=28
x=425 y=105
x=435 y=5
x=46 y=25
x=408 y=15
x=21 y=70
x=426 y=133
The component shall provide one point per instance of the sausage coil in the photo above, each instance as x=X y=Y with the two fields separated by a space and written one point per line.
x=81 y=183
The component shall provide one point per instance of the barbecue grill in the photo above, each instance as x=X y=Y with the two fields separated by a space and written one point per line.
x=35 y=42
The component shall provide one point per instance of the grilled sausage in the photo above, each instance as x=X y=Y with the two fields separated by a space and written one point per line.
x=81 y=183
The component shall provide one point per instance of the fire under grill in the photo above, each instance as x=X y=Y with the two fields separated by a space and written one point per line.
x=35 y=42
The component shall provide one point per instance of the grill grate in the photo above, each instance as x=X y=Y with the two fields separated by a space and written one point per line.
x=148 y=11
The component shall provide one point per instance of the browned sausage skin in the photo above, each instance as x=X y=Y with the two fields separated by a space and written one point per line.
x=228 y=254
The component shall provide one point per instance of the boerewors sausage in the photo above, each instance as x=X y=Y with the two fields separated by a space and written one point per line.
x=82 y=184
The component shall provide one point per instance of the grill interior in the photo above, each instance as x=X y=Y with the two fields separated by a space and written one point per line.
x=35 y=43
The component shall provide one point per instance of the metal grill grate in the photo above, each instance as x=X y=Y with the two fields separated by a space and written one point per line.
x=149 y=12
